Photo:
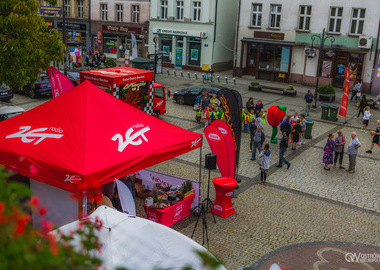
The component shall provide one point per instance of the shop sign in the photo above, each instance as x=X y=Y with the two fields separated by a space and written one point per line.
x=45 y=10
x=269 y=35
x=121 y=29
x=72 y=26
x=281 y=75
x=205 y=67
x=184 y=33
x=99 y=36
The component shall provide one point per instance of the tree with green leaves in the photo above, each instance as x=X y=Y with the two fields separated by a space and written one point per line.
x=26 y=45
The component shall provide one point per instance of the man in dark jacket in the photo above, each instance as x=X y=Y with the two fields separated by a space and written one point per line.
x=283 y=148
x=287 y=126
x=258 y=137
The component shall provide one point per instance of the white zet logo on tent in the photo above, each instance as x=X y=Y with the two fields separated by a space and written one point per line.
x=73 y=179
x=28 y=136
x=130 y=138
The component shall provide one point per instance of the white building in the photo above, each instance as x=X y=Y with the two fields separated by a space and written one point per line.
x=194 y=33
x=114 y=21
x=273 y=35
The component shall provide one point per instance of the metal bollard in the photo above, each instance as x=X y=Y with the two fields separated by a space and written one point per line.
x=188 y=74
x=181 y=74
x=218 y=79
x=175 y=73
x=196 y=76
x=234 y=79
x=226 y=80
x=168 y=72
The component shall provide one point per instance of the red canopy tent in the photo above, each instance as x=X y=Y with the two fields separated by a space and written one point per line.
x=86 y=138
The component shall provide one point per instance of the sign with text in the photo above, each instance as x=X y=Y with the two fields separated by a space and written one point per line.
x=99 y=36
x=175 y=32
x=269 y=35
x=120 y=29
x=45 y=10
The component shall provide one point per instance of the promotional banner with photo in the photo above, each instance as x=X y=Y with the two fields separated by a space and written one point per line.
x=150 y=178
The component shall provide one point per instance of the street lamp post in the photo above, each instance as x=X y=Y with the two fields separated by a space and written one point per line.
x=64 y=36
x=331 y=53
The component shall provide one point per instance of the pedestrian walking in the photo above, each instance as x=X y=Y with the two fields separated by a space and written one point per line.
x=265 y=162
x=355 y=90
x=296 y=131
x=309 y=98
x=376 y=137
x=352 y=152
x=362 y=104
x=283 y=147
x=258 y=140
x=340 y=141
x=329 y=150
x=366 y=116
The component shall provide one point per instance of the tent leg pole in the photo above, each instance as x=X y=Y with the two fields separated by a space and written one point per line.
x=84 y=204
x=200 y=174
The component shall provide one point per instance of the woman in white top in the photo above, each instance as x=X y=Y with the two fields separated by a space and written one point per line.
x=264 y=166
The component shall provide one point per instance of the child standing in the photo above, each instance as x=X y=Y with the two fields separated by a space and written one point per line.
x=206 y=116
x=198 y=114
x=258 y=108
x=366 y=116
x=220 y=114
x=303 y=128
x=246 y=120
x=252 y=129
x=259 y=120
x=296 y=131
x=264 y=166
x=294 y=119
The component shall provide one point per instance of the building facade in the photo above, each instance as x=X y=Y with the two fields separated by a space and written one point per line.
x=278 y=41
x=113 y=23
x=77 y=22
x=194 y=34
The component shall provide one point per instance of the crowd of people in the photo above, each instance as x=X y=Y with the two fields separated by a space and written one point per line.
x=292 y=131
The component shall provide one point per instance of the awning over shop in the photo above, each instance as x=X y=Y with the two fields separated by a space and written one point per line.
x=266 y=41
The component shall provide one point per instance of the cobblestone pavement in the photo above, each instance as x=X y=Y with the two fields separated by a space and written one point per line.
x=302 y=204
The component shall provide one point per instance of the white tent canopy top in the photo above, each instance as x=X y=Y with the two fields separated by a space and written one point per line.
x=137 y=243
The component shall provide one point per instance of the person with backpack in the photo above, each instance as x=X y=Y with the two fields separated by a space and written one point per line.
x=308 y=101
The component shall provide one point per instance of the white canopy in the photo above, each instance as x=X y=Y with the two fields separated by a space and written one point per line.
x=137 y=243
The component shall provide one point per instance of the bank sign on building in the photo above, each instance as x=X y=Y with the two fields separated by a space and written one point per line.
x=194 y=34
x=277 y=40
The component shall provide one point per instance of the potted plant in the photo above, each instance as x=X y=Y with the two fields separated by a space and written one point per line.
x=187 y=189
x=326 y=93
x=289 y=90
x=255 y=86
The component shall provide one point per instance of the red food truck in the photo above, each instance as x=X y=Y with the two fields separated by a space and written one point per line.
x=131 y=85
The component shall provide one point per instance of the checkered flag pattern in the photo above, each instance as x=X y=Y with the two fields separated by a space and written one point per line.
x=116 y=91
x=149 y=106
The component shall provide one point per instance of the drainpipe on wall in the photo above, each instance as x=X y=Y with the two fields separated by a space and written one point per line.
x=236 y=40
x=89 y=28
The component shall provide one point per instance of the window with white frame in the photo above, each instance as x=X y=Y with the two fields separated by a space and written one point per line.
x=257 y=10
x=304 y=19
x=335 y=20
x=179 y=11
x=66 y=7
x=80 y=8
x=357 y=21
x=196 y=11
x=275 y=16
x=135 y=13
x=164 y=10
x=119 y=12
x=103 y=12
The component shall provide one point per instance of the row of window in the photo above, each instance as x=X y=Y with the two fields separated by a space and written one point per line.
x=103 y=11
x=334 y=24
x=66 y=8
x=119 y=13
x=196 y=7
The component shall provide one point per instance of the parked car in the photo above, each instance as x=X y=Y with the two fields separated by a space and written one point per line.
x=6 y=93
x=9 y=111
x=189 y=95
x=41 y=87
